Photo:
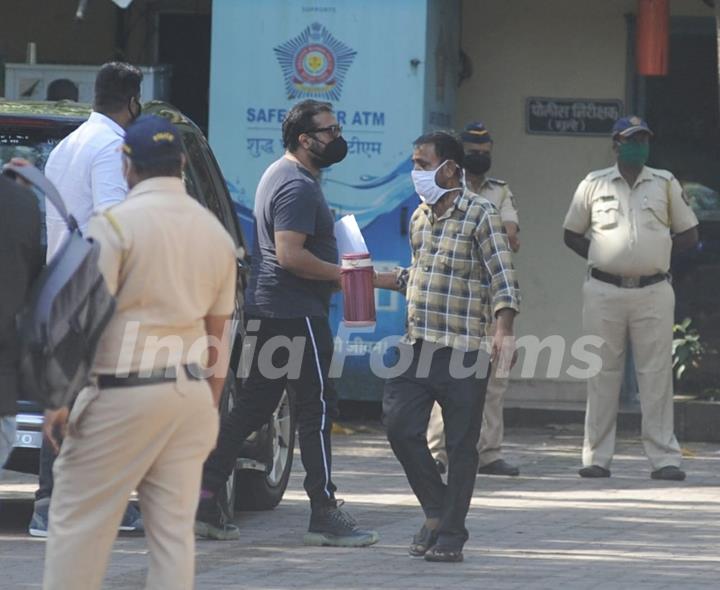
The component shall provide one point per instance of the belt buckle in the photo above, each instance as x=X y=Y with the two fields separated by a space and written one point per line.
x=630 y=282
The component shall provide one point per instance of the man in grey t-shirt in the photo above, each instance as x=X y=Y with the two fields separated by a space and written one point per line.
x=294 y=271
x=289 y=199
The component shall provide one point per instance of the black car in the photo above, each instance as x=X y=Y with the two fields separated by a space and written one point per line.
x=31 y=130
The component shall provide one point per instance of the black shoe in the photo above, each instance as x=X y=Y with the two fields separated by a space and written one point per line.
x=668 y=473
x=422 y=541
x=499 y=467
x=440 y=466
x=444 y=554
x=211 y=523
x=594 y=471
x=331 y=526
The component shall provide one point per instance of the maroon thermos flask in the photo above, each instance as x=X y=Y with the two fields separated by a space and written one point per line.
x=358 y=290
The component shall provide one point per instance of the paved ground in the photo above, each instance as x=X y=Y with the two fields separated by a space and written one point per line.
x=547 y=529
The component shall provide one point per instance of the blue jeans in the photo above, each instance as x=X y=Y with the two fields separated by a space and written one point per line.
x=7 y=438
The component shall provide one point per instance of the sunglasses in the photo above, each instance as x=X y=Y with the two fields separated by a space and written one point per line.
x=335 y=130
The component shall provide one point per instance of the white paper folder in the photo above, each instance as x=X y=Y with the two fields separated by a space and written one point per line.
x=349 y=237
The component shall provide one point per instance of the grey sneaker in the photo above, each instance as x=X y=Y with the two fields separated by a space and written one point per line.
x=211 y=523
x=132 y=521
x=39 y=521
x=331 y=526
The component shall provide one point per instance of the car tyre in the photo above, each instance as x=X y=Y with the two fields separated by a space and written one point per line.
x=250 y=489
x=255 y=490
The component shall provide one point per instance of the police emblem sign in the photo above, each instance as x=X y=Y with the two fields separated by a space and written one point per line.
x=314 y=64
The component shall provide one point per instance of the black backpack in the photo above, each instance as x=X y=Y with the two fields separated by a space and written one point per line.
x=67 y=310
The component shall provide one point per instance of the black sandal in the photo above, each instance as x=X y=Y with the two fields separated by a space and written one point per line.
x=439 y=554
x=422 y=541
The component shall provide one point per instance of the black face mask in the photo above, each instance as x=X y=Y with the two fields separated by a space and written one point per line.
x=334 y=152
x=477 y=163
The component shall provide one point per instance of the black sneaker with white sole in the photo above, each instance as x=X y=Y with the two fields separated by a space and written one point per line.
x=331 y=526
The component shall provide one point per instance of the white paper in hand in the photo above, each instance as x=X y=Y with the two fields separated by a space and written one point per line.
x=349 y=237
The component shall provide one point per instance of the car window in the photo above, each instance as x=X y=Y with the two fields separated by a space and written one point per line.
x=191 y=187
x=201 y=182
x=205 y=183
x=33 y=144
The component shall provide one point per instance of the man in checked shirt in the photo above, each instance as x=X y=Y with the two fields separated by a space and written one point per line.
x=460 y=289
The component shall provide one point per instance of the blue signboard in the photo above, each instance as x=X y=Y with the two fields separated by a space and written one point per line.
x=390 y=71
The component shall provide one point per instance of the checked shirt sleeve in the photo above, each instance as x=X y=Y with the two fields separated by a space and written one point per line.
x=497 y=257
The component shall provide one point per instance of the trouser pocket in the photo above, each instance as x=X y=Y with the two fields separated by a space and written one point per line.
x=83 y=401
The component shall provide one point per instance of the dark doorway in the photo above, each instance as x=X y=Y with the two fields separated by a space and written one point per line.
x=184 y=43
x=682 y=109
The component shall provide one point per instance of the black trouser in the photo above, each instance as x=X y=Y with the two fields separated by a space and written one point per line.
x=315 y=403
x=45 y=470
x=407 y=403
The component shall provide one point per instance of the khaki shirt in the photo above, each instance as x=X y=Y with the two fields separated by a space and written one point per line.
x=499 y=194
x=169 y=262
x=630 y=228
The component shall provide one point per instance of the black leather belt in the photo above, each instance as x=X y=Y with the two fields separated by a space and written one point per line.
x=627 y=282
x=153 y=377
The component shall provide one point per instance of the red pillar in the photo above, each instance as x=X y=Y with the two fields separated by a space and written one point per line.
x=653 y=37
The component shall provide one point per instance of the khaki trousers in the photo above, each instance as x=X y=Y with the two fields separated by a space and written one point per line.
x=153 y=439
x=646 y=316
x=491 y=431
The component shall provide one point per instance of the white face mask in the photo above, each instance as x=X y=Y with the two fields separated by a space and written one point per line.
x=426 y=187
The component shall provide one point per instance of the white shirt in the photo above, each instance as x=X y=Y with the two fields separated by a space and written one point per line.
x=86 y=168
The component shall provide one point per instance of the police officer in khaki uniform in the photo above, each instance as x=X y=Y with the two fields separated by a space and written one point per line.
x=625 y=221
x=149 y=420
x=478 y=145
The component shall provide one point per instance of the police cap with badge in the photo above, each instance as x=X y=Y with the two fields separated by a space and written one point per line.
x=152 y=141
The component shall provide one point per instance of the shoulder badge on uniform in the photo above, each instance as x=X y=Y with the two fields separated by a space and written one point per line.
x=664 y=174
x=595 y=174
